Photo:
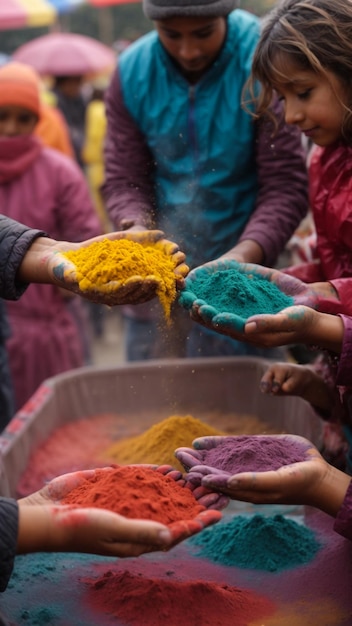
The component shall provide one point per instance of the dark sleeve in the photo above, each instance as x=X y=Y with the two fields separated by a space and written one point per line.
x=8 y=538
x=128 y=189
x=15 y=239
x=282 y=200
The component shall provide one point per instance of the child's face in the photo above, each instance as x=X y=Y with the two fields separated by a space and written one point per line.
x=15 y=120
x=194 y=42
x=312 y=101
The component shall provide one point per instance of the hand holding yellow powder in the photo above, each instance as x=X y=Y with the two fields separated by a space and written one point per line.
x=133 y=268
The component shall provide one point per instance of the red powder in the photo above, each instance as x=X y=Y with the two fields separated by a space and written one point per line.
x=137 y=600
x=137 y=492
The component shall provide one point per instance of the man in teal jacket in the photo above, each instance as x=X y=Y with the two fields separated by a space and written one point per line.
x=183 y=154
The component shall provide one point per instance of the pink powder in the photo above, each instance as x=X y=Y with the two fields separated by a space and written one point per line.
x=72 y=447
x=254 y=453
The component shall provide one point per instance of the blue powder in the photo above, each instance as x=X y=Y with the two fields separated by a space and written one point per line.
x=231 y=291
x=263 y=543
x=40 y=616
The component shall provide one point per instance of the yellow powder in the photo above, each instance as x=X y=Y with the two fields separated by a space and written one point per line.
x=158 y=444
x=107 y=264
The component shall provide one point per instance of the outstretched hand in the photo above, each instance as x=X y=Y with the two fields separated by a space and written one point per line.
x=231 y=323
x=62 y=272
x=49 y=525
x=318 y=296
x=311 y=481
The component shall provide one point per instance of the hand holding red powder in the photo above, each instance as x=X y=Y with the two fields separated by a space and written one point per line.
x=161 y=511
x=46 y=525
x=270 y=469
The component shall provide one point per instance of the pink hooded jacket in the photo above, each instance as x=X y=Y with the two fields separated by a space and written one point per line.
x=50 y=194
x=331 y=205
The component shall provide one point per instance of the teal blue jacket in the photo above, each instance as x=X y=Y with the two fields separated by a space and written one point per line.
x=186 y=155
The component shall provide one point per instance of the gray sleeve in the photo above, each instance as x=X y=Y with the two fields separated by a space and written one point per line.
x=282 y=200
x=8 y=538
x=15 y=239
x=128 y=189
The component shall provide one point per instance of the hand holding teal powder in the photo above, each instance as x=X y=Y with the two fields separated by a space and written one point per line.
x=224 y=294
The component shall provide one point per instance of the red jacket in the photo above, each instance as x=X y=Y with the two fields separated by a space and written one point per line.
x=331 y=204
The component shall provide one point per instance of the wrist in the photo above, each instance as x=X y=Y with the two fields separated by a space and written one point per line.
x=246 y=251
x=39 y=530
x=330 y=493
x=327 y=332
x=34 y=267
x=325 y=290
x=317 y=392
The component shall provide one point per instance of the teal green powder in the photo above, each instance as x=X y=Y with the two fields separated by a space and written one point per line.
x=230 y=291
x=263 y=543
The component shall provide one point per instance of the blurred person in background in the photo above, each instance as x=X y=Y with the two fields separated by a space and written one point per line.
x=183 y=155
x=53 y=130
x=93 y=147
x=93 y=159
x=72 y=104
x=45 y=189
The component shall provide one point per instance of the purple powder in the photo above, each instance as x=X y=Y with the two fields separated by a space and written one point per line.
x=254 y=453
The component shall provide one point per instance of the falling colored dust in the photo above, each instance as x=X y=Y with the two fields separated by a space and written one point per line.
x=258 y=542
x=83 y=443
x=170 y=602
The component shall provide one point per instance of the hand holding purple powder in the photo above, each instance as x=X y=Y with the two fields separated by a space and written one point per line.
x=218 y=458
x=244 y=453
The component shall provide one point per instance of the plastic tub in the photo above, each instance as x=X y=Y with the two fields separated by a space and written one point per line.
x=58 y=588
x=179 y=386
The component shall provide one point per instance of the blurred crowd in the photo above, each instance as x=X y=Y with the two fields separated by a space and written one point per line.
x=98 y=184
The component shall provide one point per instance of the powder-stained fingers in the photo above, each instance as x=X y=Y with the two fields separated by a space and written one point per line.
x=168 y=470
x=194 y=478
x=181 y=271
x=169 y=247
x=188 y=457
x=210 y=442
x=134 y=291
x=183 y=529
x=214 y=501
x=230 y=324
x=218 y=482
x=207 y=498
x=204 y=470
x=64 y=272
x=140 y=236
x=290 y=484
x=198 y=472
x=178 y=257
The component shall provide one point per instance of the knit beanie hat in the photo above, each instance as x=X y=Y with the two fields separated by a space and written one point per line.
x=20 y=86
x=162 y=9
